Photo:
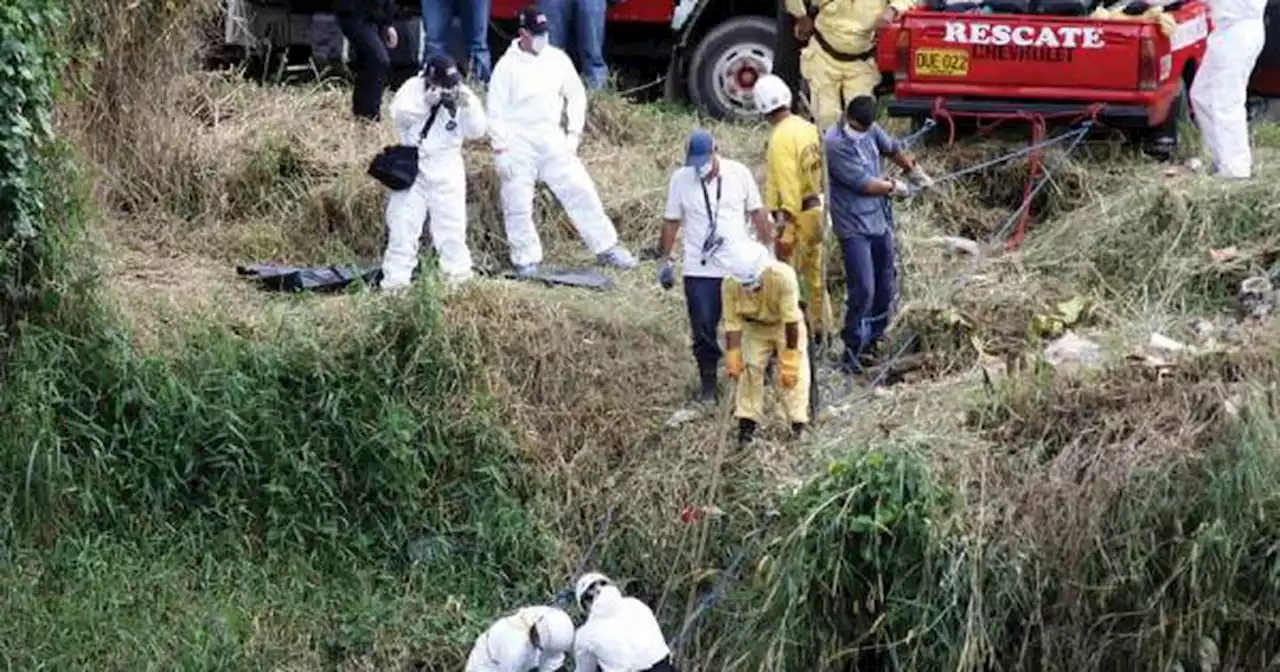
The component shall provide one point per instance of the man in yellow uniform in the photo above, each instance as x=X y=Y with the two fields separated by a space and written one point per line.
x=840 y=62
x=793 y=193
x=761 y=300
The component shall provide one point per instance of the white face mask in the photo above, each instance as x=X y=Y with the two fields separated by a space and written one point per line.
x=848 y=128
x=704 y=171
x=538 y=43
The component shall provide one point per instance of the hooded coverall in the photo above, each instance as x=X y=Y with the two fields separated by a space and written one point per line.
x=621 y=634
x=761 y=316
x=793 y=185
x=840 y=62
x=527 y=93
x=1219 y=91
x=505 y=647
x=440 y=190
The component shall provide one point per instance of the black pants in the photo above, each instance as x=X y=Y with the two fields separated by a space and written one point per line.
x=786 y=55
x=371 y=63
x=702 y=296
x=663 y=665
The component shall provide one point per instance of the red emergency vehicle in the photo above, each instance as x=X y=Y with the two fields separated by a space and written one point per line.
x=708 y=52
x=1046 y=66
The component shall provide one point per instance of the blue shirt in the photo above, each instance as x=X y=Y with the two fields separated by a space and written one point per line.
x=853 y=161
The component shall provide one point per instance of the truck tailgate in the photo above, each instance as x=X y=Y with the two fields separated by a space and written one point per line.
x=1021 y=50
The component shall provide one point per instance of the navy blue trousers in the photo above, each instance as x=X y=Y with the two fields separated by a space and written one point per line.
x=871 y=280
x=702 y=296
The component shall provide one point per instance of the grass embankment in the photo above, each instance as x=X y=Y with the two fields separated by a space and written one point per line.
x=202 y=476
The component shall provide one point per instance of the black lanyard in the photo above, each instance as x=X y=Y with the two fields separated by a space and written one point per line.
x=712 y=241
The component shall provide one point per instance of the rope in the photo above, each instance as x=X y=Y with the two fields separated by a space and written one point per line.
x=709 y=600
x=1075 y=136
x=565 y=596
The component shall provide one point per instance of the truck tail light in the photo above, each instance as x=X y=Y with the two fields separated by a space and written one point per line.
x=904 y=55
x=1148 y=63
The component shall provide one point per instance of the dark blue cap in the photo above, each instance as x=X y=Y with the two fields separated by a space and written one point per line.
x=701 y=147
x=532 y=19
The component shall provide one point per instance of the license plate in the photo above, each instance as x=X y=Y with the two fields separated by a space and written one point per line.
x=942 y=62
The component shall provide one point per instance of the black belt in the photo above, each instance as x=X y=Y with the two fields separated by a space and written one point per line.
x=840 y=55
x=810 y=202
x=758 y=322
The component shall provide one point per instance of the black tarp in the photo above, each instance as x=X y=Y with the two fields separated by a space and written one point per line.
x=283 y=278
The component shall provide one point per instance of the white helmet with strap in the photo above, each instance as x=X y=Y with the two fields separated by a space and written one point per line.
x=771 y=94
x=586 y=587
x=555 y=631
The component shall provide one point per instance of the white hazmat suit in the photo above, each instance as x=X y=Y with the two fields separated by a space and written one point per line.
x=1219 y=91
x=506 y=646
x=527 y=94
x=440 y=190
x=620 y=635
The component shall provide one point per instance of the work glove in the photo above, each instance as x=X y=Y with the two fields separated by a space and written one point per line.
x=667 y=274
x=572 y=140
x=789 y=368
x=919 y=178
x=900 y=189
x=505 y=165
x=464 y=97
x=733 y=363
x=432 y=96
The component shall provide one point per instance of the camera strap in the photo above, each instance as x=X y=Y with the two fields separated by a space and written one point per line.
x=713 y=215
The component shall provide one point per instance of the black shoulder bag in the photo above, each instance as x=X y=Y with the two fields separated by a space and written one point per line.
x=396 y=166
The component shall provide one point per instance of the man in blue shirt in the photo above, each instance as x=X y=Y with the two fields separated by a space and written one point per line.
x=863 y=221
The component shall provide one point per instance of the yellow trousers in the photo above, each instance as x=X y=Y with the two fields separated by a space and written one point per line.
x=803 y=242
x=832 y=83
x=759 y=343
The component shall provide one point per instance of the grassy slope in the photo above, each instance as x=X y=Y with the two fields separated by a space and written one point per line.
x=236 y=172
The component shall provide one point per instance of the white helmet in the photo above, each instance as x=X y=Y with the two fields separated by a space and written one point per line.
x=587 y=586
x=555 y=631
x=771 y=94
x=747 y=261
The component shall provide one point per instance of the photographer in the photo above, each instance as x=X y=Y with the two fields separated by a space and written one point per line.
x=436 y=112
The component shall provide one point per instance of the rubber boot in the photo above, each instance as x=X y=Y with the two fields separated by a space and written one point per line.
x=746 y=431
x=708 y=387
x=797 y=430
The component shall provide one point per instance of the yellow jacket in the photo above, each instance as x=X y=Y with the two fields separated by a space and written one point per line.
x=847 y=25
x=775 y=303
x=793 y=165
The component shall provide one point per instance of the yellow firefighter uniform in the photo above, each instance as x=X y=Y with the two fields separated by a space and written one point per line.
x=793 y=184
x=839 y=63
x=761 y=316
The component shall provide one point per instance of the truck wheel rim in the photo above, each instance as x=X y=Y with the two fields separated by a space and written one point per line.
x=735 y=72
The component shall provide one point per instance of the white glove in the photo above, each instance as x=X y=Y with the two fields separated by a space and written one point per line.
x=900 y=189
x=505 y=165
x=464 y=97
x=919 y=178
x=432 y=96
x=572 y=140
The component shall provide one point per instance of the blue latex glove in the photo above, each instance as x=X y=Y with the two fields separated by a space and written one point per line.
x=667 y=274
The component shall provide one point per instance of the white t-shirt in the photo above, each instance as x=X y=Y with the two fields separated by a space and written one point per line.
x=737 y=194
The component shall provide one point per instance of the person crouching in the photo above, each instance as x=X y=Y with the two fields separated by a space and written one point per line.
x=533 y=638
x=762 y=316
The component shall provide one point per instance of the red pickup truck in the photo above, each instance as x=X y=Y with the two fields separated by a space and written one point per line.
x=1041 y=62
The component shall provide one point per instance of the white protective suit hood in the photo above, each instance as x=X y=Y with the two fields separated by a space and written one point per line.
x=620 y=635
x=506 y=647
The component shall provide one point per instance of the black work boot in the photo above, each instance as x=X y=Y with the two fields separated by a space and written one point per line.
x=797 y=430
x=746 y=431
x=708 y=387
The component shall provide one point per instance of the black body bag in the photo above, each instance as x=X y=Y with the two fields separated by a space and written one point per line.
x=396 y=166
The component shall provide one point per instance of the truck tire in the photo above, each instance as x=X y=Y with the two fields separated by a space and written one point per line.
x=1160 y=142
x=726 y=64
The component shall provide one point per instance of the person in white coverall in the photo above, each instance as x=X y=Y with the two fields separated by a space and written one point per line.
x=1221 y=82
x=621 y=633
x=436 y=95
x=531 y=85
x=533 y=638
